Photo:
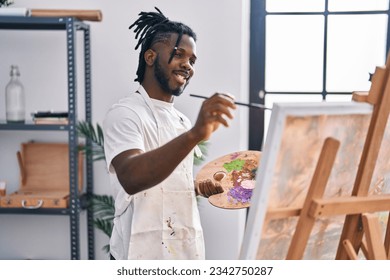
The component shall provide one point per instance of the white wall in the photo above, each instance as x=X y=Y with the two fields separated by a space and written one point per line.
x=222 y=27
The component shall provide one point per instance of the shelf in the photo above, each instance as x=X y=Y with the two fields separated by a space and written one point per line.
x=43 y=211
x=38 y=23
x=32 y=126
x=77 y=201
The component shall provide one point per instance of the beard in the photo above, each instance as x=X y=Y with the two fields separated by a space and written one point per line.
x=162 y=77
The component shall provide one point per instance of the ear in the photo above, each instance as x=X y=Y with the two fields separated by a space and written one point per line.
x=150 y=56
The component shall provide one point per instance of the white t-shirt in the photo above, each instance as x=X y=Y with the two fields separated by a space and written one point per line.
x=130 y=124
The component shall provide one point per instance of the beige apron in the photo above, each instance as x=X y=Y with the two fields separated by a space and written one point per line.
x=166 y=223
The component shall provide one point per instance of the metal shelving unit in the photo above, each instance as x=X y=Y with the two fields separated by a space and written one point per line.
x=76 y=200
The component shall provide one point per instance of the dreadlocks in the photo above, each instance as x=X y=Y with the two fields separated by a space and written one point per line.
x=153 y=27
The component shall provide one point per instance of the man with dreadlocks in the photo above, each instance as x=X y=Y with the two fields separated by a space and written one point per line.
x=149 y=148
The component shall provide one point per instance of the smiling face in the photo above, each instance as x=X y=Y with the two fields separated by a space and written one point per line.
x=171 y=74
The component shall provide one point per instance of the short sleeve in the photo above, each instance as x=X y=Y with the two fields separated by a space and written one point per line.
x=122 y=130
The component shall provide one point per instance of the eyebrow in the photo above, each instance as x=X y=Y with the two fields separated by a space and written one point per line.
x=175 y=49
x=183 y=50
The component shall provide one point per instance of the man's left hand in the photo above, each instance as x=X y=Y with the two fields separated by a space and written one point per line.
x=207 y=188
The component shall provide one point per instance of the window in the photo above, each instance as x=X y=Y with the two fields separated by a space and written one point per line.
x=312 y=50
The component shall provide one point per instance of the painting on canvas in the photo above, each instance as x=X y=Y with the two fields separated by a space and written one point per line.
x=294 y=141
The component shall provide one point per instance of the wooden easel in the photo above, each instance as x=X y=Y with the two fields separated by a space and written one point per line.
x=358 y=222
x=379 y=97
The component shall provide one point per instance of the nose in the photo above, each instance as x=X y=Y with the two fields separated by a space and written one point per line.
x=186 y=64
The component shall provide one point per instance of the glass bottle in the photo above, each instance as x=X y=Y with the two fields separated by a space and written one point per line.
x=14 y=97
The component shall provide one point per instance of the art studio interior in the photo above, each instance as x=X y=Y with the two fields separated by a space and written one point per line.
x=310 y=137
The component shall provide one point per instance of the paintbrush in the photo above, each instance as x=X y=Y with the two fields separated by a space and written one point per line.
x=250 y=105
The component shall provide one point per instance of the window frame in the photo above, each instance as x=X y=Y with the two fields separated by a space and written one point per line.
x=257 y=91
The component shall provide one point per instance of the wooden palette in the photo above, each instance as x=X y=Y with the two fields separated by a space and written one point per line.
x=230 y=170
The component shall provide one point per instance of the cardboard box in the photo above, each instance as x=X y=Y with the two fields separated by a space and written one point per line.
x=44 y=177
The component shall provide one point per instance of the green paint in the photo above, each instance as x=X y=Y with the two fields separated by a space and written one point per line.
x=236 y=164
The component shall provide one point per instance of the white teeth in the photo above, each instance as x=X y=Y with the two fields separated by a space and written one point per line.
x=182 y=76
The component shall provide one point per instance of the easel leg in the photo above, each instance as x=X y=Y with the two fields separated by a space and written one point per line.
x=387 y=238
x=372 y=230
x=364 y=249
x=316 y=190
x=350 y=250
x=352 y=232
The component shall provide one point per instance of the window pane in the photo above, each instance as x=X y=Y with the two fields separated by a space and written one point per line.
x=338 y=97
x=358 y=5
x=270 y=99
x=295 y=5
x=356 y=45
x=294 y=53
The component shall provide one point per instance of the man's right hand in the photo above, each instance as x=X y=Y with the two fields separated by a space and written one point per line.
x=214 y=111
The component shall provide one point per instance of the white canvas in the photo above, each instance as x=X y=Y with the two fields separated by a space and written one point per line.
x=294 y=141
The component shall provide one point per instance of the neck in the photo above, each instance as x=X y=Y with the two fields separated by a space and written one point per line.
x=154 y=91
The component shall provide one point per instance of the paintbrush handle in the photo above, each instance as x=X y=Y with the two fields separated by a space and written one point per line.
x=250 y=105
